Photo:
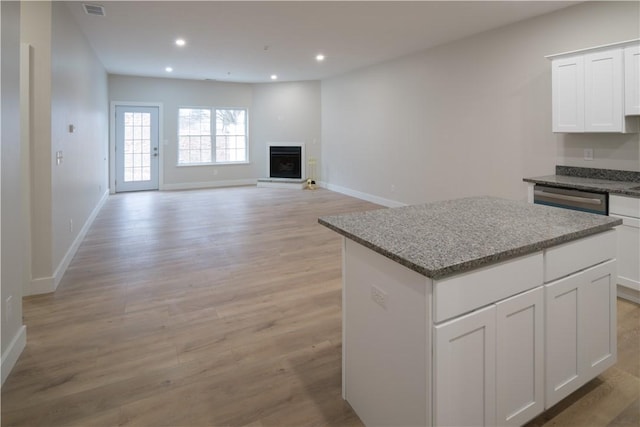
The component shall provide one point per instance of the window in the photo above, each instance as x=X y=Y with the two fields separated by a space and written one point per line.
x=197 y=144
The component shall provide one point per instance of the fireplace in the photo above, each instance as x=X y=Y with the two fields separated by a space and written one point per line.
x=286 y=161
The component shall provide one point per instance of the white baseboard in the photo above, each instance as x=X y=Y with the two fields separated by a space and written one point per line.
x=363 y=196
x=628 y=294
x=209 y=184
x=290 y=185
x=13 y=352
x=45 y=285
x=40 y=285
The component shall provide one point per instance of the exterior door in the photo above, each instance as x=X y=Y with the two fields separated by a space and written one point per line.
x=136 y=148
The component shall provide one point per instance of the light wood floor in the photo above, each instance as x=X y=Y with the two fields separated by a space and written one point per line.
x=221 y=308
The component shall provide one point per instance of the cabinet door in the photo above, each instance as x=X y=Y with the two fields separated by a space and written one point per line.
x=464 y=370
x=632 y=80
x=580 y=329
x=599 y=319
x=567 y=86
x=603 y=91
x=628 y=254
x=562 y=333
x=520 y=357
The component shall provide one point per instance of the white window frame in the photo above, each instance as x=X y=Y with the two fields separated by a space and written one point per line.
x=213 y=115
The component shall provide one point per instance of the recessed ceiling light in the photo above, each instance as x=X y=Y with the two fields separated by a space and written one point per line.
x=180 y=42
x=319 y=57
x=274 y=77
x=168 y=69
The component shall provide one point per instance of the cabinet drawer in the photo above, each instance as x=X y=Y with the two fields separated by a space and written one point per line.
x=463 y=293
x=562 y=260
x=627 y=206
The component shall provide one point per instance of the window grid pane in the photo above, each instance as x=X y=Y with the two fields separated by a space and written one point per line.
x=196 y=141
x=194 y=135
x=231 y=131
x=137 y=146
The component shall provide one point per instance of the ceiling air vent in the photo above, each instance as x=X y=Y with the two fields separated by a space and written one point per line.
x=93 y=9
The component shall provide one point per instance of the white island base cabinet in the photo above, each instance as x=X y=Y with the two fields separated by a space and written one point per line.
x=580 y=329
x=464 y=370
x=420 y=352
x=520 y=358
x=489 y=364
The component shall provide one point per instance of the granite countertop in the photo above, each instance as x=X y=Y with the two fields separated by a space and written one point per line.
x=444 y=238
x=601 y=180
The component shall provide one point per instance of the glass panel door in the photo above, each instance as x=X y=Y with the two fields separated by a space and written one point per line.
x=136 y=148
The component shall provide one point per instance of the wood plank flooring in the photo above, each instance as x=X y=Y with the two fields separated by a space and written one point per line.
x=221 y=308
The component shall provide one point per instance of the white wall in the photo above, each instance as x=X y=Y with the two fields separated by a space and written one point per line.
x=13 y=226
x=35 y=30
x=277 y=112
x=78 y=97
x=68 y=85
x=285 y=112
x=616 y=151
x=468 y=118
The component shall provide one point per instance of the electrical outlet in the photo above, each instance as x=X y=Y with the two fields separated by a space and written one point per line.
x=70 y=226
x=393 y=188
x=588 y=154
x=379 y=296
x=215 y=171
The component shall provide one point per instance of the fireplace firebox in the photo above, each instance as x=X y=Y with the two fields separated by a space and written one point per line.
x=285 y=161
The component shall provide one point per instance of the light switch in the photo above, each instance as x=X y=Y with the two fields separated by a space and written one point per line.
x=59 y=157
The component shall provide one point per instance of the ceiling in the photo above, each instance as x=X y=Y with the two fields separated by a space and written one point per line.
x=245 y=41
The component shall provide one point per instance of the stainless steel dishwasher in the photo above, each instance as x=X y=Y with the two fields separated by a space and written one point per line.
x=579 y=200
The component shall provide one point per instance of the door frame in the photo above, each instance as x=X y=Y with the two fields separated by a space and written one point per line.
x=112 y=140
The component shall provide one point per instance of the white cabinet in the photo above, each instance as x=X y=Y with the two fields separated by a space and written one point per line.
x=567 y=81
x=587 y=92
x=465 y=370
x=603 y=97
x=591 y=88
x=492 y=346
x=628 y=250
x=580 y=334
x=520 y=358
x=632 y=80
x=488 y=340
x=488 y=365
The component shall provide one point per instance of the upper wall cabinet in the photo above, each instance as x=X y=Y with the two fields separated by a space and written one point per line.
x=567 y=86
x=603 y=96
x=632 y=80
x=591 y=89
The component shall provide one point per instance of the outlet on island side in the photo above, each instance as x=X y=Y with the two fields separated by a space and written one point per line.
x=379 y=296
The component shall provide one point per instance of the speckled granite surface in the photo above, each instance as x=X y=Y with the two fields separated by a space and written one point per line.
x=445 y=238
x=608 y=174
x=602 y=180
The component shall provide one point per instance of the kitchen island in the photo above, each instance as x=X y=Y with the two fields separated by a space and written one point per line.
x=477 y=311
